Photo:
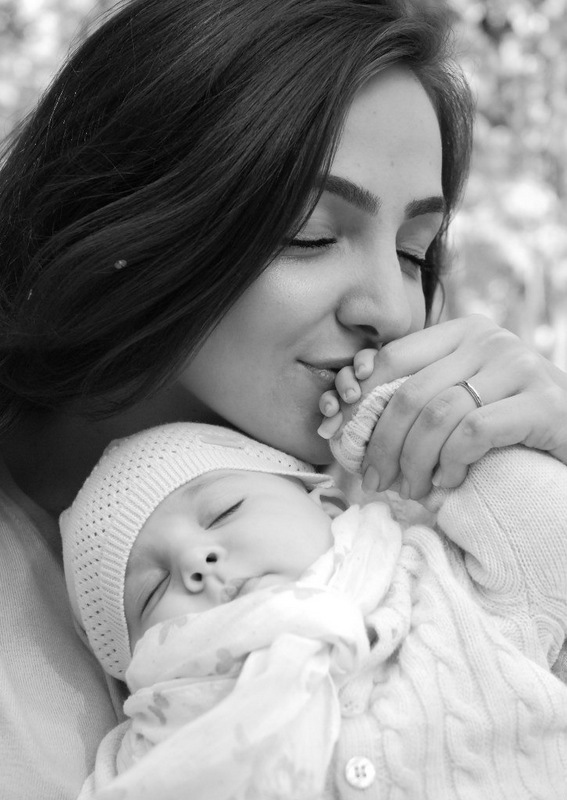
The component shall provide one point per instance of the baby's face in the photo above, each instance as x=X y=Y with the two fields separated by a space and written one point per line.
x=219 y=536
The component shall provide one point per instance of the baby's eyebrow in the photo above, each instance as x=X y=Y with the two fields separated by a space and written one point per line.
x=196 y=486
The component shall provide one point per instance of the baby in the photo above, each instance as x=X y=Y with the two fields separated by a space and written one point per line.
x=178 y=547
x=283 y=648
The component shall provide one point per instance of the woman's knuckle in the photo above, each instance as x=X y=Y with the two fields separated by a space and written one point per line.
x=473 y=426
x=408 y=399
x=527 y=364
x=554 y=398
x=487 y=333
x=436 y=413
x=480 y=321
x=478 y=327
x=385 y=357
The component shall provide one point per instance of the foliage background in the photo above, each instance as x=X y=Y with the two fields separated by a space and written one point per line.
x=510 y=237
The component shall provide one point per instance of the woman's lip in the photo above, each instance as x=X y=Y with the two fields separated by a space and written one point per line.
x=332 y=364
x=325 y=375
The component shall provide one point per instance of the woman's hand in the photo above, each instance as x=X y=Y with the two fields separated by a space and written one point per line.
x=432 y=428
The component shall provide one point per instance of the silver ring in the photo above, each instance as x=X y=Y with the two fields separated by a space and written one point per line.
x=472 y=391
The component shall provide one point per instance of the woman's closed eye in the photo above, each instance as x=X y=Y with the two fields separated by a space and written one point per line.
x=422 y=263
x=312 y=243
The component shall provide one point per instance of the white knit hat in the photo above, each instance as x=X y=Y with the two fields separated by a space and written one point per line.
x=131 y=479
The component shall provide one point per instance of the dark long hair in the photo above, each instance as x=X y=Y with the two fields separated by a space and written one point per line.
x=182 y=141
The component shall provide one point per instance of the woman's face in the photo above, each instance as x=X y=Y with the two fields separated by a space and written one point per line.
x=349 y=280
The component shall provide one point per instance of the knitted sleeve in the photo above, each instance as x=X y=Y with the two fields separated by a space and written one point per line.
x=509 y=517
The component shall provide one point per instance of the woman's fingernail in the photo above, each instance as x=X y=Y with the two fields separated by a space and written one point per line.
x=436 y=479
x=404 y=489
x=370 y=480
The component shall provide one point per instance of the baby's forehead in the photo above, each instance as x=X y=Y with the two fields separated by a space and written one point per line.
x=206 y=491
x=223 y=478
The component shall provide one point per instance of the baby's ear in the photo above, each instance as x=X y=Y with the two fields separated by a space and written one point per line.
x=331 y=500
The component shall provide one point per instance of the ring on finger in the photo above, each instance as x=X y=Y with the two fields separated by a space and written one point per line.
x=472 y=391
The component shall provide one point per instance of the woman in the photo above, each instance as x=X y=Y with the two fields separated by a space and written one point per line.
x=214 y=207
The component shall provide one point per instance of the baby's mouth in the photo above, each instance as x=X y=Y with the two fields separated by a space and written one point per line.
x=233 y=589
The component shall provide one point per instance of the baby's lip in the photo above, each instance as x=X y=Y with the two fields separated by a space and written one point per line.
x=233 y=589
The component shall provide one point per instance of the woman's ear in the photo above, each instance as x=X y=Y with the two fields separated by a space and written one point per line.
x=331 y=500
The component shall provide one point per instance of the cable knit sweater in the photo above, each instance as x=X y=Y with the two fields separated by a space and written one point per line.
x=472 y=708
x=456 y=699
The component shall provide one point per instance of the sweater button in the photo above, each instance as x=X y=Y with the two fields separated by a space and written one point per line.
x=360 y=772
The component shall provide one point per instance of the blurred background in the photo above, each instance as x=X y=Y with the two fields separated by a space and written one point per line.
x=510 y=237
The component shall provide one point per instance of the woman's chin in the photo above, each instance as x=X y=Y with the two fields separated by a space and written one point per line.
x=297 y=437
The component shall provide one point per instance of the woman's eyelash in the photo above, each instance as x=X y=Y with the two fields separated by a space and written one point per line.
x=312 y=242
x=421 y=263
x=227 y=513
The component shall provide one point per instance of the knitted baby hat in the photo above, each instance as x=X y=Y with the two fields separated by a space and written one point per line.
x=131 y=479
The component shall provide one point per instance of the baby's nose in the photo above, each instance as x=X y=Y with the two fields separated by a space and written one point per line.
x=200 y=563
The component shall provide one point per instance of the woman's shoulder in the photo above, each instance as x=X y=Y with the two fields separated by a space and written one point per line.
x=55 y=704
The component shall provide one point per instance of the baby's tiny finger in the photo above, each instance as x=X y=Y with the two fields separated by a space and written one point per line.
x=330 y=426
x=329 y=403
x=363 y=363
x=347 y=385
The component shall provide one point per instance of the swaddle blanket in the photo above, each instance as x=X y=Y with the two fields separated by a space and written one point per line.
x=241 y=701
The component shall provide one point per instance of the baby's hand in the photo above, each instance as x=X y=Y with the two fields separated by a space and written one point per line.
x=336 y=404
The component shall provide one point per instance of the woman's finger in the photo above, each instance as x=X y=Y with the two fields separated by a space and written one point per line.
x=476 y=338
x=522 y=419
x=424 y=443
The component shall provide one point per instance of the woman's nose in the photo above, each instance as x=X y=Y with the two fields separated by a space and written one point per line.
x=376 y=301
x=198 y=564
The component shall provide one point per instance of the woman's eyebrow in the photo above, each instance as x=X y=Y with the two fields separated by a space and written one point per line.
x=429 y=205
x=369 y=203
x=352 y=193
